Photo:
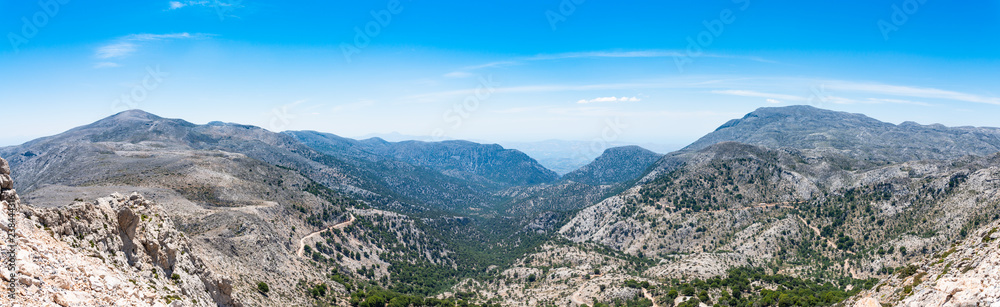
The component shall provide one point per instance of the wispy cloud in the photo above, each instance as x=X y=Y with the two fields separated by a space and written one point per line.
x=908 y=91
x=443 y=95
x=105 y=65
x=609 y=99
x=179 y=4
x=129 y=44
x=610 y=54
x=639 y=54
x=769 y=96
x=774 y=98
x=156 y=37
x=224 y=8
x=115 y=50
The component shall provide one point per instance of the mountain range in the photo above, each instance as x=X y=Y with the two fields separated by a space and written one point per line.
x=784 y=199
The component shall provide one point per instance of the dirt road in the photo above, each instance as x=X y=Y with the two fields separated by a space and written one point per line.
x=302 y=242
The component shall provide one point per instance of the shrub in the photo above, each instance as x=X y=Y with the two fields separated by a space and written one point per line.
x=263 y=288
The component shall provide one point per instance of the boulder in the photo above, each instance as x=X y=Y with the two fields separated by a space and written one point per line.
x=72 y=298
x=5 y=182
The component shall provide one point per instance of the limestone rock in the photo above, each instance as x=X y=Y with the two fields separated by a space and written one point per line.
x=134 y=233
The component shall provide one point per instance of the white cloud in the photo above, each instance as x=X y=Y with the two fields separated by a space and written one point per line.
x=178 y=4
x=105 y=65
x=610 y=99
x=126 y=45
x=774 y=101
x=115 y=50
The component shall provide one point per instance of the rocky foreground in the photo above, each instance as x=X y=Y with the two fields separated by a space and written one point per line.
x=116 y=251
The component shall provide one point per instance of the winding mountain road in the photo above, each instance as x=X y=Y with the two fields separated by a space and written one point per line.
x=302 y=242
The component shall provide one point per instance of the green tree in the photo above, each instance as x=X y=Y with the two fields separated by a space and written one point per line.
x=263 y=288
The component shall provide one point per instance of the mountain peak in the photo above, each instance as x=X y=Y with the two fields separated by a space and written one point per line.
x=777 y=113
x=802 y=112
x=626 y=149
x=791 y=109
x=128 y=118
x=134 y=114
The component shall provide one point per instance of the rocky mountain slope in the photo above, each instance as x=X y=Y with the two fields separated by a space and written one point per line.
x=238 y=211
x=460 y=159
x=615 y=165
x=466 y=174
x=966 y=274
x=793 y=213
x=608 y=174
x=738 y=203
x=853 y=135
x=94 y=152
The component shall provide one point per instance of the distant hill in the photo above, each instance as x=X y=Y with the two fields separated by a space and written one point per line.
x=607 y=175
x=615 y=165
x=488 y=164
x=854 y=135
x=564 y=156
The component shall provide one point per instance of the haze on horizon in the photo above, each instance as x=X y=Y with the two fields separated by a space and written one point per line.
x=662 y=73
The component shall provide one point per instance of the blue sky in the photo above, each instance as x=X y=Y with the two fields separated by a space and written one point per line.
x=495 y=70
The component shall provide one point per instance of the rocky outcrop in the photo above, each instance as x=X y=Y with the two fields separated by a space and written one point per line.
x=50 y=272
x=115 y=251
x=136 y=234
